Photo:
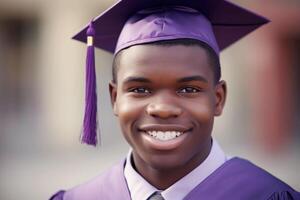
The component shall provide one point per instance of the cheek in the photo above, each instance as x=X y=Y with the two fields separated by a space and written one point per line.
x=203 y=110
x=128 y=111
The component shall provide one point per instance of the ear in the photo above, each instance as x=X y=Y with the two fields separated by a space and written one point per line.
x=220 y=95
x=113 y=96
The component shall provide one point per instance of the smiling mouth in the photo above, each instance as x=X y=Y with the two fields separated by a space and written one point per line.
x=164 y=135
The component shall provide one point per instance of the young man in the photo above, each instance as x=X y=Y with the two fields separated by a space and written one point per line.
x=166 y=91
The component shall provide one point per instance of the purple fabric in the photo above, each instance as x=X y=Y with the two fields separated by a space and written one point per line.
x=89 y=135
x=166 y=23
x=229 y=21
x=237 y=179
x=111 y=185
x=58 y=195
x=240 y=179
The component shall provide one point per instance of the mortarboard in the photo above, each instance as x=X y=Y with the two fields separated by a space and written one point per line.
x=218 y=23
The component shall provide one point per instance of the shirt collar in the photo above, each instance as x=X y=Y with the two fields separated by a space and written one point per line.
x=140 y=189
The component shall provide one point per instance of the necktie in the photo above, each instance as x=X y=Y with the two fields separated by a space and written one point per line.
x=156 y=196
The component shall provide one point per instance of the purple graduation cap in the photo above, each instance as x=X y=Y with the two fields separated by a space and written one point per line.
x=217 y=23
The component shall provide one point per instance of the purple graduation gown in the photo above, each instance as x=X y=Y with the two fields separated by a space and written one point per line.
x=236 y=179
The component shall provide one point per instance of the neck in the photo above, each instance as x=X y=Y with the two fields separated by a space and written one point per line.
x=163 y=177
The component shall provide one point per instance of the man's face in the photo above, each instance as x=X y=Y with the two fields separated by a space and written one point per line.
x=166 y=99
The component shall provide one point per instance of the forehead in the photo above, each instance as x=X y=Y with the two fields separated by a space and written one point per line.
x=172 y=60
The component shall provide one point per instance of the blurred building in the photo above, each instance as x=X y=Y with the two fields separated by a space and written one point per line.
x=42 y=95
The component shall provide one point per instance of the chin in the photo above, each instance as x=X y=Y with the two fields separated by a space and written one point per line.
x=166 y=161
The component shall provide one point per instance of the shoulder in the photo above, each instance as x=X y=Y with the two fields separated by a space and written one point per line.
x=240 y=179
x=263 y=182
x=249 y=172
x=105 y=186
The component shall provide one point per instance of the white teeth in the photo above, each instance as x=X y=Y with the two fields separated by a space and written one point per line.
x=164 y=135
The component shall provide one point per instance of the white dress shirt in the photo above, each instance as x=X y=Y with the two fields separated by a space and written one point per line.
x=140 y=189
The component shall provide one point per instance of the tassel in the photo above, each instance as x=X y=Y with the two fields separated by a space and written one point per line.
x=90 y=123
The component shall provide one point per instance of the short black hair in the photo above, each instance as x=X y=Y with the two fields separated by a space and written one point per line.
x=213 y=57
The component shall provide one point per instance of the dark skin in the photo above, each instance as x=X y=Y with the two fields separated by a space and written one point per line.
x=162 y=88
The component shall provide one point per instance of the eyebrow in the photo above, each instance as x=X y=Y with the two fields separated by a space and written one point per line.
x=181 y=80
x=193 y=78
x=136 y=79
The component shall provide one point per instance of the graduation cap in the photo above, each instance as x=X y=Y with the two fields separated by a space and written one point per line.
x=218 y=23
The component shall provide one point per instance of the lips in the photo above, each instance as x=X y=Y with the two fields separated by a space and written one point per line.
x=164 y=137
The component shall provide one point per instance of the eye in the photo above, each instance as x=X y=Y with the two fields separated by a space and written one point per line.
x=189 y=90
x=140 y=90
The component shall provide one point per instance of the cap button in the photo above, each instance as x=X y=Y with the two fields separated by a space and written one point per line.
x=90 y=31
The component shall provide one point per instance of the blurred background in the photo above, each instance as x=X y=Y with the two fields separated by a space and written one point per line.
x=42 y=96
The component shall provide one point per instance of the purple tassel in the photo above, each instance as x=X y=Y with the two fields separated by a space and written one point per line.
x=90 y=123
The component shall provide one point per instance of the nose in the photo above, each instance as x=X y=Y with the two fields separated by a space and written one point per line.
x=163 y=110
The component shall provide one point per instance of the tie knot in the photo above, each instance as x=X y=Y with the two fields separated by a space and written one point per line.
x=156 y=196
